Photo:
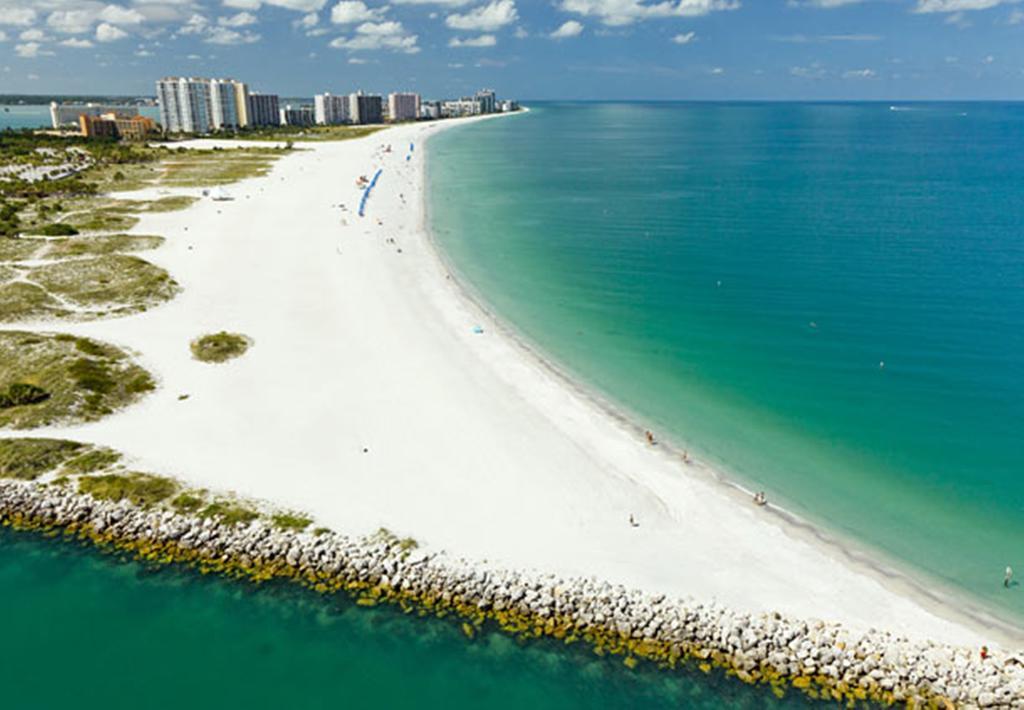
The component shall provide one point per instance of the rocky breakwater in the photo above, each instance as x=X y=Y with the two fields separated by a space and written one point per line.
x=823 y=660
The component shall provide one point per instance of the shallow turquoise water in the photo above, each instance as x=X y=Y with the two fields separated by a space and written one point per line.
x=84 y=630
x=736 y=274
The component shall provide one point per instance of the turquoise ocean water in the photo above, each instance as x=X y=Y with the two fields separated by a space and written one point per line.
x=737 y=274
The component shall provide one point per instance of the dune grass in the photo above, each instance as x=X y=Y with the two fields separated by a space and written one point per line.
x=97 y=245
x=23 y=301
x=142 y=489
x=220 y=347
x=17 y=248
x=229 y=512
x=291 y=521
x=84 y=379
x=28 y=459
x=110 y=284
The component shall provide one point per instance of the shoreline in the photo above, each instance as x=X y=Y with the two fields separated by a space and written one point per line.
x=371 y=377
x=899 y=576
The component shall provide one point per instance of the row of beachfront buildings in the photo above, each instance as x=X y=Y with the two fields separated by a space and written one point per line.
x=200 y=105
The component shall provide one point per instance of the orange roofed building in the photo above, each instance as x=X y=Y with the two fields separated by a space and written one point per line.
x=114 y=125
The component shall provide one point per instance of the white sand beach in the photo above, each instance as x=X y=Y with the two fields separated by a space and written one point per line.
x=368 y=400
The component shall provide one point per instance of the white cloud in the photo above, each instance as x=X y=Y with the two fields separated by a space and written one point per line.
x=481 y=41
x=521 y=33
x=808 y=39
x=71 y=21
x=1016 y=17
x=142 y=52
x=225 y=35
x=716 y=71
x=626 y=12
x=297 y=5
x=244 y=4
x=684 y=37
x=571 y=28
x=197 y=24
x=30 y=50
x=33 y=35
x=3 y=36
x=349 y=12
x=109 y=33
x=307 y=21
x=446 y=3
x=814 y=71
x=241 y=19
x=486 y=18
x=859 y=74
x=17 y=16
x=372 y=36
x=356 y=60
x=117 y=15
x=926 y=6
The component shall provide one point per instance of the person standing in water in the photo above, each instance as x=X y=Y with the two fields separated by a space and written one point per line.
x=1008 y=576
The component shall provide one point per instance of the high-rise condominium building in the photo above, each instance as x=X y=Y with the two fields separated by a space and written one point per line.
x=242 y=103
x=330 y=110
x=224 y=104
x=365 y=108
x=403 y=107
x=264 y=110
x=487 y=99
x=185 y=105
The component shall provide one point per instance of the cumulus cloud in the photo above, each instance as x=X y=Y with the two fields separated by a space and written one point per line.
x=226 y=35
x=481 y=41
x=814 y=71
x=106 y=32
x=626 y=12
x=31 y=50
x=17 y=16
x=372 y=36
x=76 y=43
x=859 y=74
x=572 y=28
x=349 y=12
x=486 y=18
x=684 y=37
x=297 y=5
x=241 y=19
x=926 y=6
x=33 y=35
x=307 y=21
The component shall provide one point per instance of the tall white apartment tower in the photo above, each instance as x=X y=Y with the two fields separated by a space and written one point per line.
x=403 y=107
x=330 y=110
x=224 y=104
x=185 y=104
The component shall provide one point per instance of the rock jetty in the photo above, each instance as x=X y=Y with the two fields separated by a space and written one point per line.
x=821 y=659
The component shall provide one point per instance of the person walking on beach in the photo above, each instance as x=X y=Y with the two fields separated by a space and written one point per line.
x=1008 y=576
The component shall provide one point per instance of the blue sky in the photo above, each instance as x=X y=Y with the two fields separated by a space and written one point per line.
x=540 y=49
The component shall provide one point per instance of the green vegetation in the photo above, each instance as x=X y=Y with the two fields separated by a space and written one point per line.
x=22 y=394
x=229 y=513
x=308 y=133
x=98 y=245
x=200 y=168
x=187 y=503
x=28 y=459
x=220 y=347
x=106 y=285
x=291 y=521
x=22 y=301
x=92 y=461
x=140 y=488
x=101 y=220
x=15 y=249
x=85 y=379
x=58 y=229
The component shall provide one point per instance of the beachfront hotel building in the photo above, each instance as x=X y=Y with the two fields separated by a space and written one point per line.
x=487 y=100
x=330 y=110
x=116 y=125
x=66 y=115
x=264 y=109
x=403 y=107
x=365 y=108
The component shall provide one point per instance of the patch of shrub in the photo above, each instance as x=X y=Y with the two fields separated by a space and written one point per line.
x=291 y=521
x=219 y=347
x=58 y=229
x=20 y=394
x=27 y=459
